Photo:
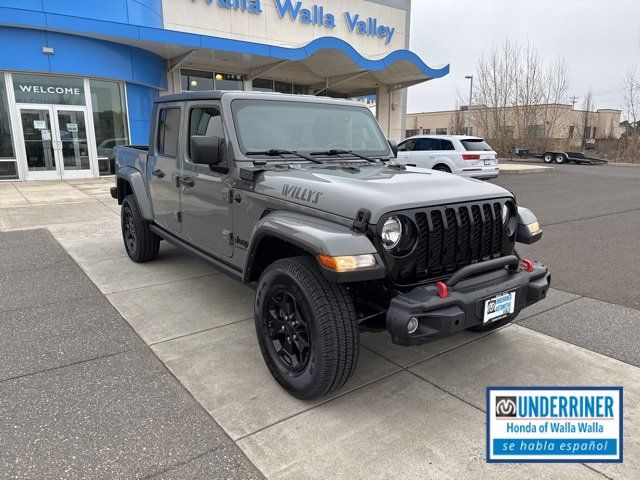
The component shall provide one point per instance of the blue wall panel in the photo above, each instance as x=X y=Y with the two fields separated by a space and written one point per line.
x=111 y=10
x=135 y=12
x=75 y=55
x=29 y=55
x=88 y=56
x=140 y=102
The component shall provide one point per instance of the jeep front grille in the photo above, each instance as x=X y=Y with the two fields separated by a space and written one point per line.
x=450 y=237
x=453 y=237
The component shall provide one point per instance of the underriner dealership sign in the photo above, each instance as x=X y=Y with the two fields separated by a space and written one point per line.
x=313 y=15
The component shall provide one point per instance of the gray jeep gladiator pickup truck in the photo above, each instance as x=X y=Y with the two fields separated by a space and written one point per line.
x=301 y=198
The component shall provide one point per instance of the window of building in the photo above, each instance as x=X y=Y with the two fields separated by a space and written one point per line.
x=8 y=168
x=48 y=89
x=593 y=132
x=571 y=131
x=441 y=131
x=536 y=131
x=427 y=131
x=411 y=133
x=168 y=132
x=205 y=121
x=266 y=85
x=109 y=120
x=198 y=80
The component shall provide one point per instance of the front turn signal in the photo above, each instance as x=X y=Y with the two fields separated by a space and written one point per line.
x=346 y=263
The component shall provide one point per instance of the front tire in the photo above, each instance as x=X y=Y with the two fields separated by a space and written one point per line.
x=547 y=157
x=306 y=327
x=493 y=325
x=141 y=244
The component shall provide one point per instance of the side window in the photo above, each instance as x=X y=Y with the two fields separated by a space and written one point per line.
x=426 y=144
x=407 y=146
x=205 y=121
x=446 y=145
x=168 y=132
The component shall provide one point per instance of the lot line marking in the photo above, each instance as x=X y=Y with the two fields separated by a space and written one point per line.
x=86 y=360
x=590 y=218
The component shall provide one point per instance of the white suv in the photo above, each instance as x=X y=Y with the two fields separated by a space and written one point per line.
x=459 y=154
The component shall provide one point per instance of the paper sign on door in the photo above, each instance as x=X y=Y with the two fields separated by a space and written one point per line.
x=39 y=124
x=72 y=127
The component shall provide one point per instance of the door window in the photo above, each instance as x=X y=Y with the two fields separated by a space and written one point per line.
x=169 y=132
x=446 y=145
x=38 y=139
x=407 y=145
x=428 y=144
x=205 y=121
x=73 y=138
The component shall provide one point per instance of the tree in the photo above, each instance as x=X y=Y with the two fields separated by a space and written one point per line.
x=586 y=119
x=516 y=96
x=456 y=124
x=631 y=97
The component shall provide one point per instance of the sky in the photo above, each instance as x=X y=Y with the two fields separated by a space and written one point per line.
x=600 y=40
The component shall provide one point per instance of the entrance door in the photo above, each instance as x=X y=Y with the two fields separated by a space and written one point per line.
x=55 y=142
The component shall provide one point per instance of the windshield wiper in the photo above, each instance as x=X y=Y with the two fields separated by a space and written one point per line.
x=335 y=153
x=279 y=152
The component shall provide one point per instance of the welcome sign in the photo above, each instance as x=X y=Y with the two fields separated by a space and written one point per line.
x=312 y=14
x=554 y=424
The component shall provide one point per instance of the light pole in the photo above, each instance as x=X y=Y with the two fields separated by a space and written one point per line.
x=470 y=77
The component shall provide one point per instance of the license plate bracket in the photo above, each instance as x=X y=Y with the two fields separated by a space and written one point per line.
x=499 y=306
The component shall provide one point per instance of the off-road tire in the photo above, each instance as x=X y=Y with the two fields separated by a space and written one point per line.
x=493 y=325
x=145 y=245
x=331 y=321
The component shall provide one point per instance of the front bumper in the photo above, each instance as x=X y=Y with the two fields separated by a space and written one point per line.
x=464 y=305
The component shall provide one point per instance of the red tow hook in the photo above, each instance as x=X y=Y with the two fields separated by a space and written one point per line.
x=528 y=265
x=444 y=290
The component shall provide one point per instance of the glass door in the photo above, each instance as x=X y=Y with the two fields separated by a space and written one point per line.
x=37 y=133
x=72 y=144
x=55 y=142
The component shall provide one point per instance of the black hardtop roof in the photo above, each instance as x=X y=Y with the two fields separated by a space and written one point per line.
x=218 y=94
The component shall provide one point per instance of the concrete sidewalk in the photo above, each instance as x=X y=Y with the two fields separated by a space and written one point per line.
x=81 y=396
x=407 y=413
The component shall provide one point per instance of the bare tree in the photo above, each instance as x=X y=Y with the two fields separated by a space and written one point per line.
x=456 y=124
x=514 y=96
x=631 y=97
x=586 y=119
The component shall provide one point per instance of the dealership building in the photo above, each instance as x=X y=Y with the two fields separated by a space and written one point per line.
x=78 y=77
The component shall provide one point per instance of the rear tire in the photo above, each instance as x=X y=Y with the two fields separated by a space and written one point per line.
x=493 y=325
x=294 y=300
x=560 y=159
x=141 y=244
x=442 y=168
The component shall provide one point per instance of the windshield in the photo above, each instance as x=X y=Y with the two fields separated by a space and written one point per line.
x=306 y=127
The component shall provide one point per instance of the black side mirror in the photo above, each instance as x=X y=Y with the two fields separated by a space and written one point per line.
x=206 y=150
x=529 y=230
x=394 y=147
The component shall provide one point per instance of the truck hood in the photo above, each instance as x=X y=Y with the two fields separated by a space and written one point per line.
x=343 y=190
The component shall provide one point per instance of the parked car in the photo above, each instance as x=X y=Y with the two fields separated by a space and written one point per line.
x=300 y=197
x=459 y=154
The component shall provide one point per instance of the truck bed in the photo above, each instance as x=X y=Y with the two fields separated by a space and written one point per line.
x=134 y=156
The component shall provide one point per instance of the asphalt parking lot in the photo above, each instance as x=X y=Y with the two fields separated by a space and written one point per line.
x=119 y=370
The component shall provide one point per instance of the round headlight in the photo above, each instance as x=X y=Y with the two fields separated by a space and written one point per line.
x=391 y=233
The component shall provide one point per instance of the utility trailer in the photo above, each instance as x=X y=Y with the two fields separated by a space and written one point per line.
x=560 y=157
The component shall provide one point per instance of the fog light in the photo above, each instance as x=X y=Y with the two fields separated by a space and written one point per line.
x=413 y=325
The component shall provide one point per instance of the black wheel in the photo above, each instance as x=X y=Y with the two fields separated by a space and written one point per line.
x=560 y=158
x=547 y=157
x=142 y=244
x=306 y=327
x=442 y=168
x=493 y=325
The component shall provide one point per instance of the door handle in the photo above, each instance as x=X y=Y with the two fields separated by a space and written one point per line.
x=158 y=173
x=187 y=182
